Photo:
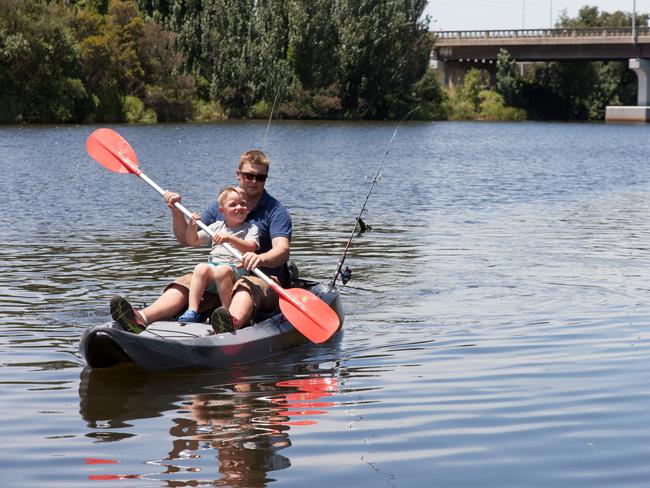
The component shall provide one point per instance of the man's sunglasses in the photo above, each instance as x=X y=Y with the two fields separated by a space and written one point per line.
x=253 y=176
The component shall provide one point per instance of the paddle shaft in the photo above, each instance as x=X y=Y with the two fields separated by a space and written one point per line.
x=277 y=288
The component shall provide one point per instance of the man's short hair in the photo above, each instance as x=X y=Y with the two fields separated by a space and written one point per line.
x=254 y=156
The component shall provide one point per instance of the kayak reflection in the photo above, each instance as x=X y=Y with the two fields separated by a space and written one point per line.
x=243 y=423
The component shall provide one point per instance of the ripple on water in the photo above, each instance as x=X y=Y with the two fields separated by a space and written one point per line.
x=495 y=328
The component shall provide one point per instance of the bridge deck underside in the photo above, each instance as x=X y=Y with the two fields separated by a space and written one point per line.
x=542 y=49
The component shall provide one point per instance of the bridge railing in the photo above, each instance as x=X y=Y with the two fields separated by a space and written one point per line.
x=532 y=33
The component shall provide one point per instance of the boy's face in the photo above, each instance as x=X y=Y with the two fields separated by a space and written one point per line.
x=234 y=209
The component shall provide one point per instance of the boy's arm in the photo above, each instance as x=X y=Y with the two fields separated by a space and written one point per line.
x=250 y=242
x=242 y=245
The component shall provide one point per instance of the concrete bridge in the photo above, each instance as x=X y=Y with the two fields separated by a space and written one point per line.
x=455 y=52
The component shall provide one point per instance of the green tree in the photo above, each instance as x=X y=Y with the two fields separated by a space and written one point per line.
x=508 y=84
x=40 y=72
x=313 y=37
x=383 y=49
x=429 y=95
x=590 y=17
x=269 y=46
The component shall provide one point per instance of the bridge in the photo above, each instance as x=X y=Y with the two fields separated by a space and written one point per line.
x=455 y=52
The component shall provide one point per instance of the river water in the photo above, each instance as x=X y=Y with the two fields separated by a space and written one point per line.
x=497 y=321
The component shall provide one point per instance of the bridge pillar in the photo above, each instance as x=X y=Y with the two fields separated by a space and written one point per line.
x=441 y=71
x=641 y=112
x=642 y=69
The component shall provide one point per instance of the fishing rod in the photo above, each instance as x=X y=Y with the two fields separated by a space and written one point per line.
x=347 y=273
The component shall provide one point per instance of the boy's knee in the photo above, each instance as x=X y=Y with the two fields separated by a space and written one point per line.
x=223 y=272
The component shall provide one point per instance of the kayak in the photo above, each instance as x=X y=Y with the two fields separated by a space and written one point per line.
x=168 y=345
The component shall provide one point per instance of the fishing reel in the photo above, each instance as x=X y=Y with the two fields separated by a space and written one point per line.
x=346 y=274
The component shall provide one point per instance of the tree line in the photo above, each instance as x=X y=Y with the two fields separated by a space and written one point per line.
x=92 y=61
x=178 y=60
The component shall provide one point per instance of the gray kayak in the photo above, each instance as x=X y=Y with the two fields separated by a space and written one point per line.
x=169 y=345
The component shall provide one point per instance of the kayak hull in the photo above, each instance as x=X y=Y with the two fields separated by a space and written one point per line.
x=172 y=345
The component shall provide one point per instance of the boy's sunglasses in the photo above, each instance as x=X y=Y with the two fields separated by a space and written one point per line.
x=253 y=176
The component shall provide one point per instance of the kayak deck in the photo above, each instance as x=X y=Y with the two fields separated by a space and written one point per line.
x=169 y=345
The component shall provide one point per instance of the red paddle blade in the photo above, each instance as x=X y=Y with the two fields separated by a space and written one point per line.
x=312 y=316
x=110 y=150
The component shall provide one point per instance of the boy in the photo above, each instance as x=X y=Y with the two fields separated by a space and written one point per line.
x=222 y=269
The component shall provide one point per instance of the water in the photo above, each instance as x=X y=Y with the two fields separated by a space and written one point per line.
x=497 y=320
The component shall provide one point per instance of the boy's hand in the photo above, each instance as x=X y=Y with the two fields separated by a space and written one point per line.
x=220 y=237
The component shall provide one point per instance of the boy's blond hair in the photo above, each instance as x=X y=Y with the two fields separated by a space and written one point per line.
x=230 y=189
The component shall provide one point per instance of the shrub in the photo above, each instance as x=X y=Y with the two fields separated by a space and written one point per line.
x=134 y=111
x=491 y=107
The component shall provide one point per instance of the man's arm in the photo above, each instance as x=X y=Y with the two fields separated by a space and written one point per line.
x=179 y=224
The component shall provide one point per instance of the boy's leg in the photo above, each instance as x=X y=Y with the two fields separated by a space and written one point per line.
x=200 y=280
x=223 y=276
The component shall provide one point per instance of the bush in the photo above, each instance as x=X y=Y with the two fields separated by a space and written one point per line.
x=208 y=111
x=491 y=107
x=261 y=110
x=459 y=108
x=134 y=111
x=170 y=104
x=327 y=105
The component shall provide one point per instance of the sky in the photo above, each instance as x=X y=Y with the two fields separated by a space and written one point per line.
x=515 y=14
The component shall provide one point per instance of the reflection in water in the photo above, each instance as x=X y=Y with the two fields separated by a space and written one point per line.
x=243 y=424
x=305 y=399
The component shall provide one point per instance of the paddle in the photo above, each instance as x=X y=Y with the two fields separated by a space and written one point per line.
x=304 y=310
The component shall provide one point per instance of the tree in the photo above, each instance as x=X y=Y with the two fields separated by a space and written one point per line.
x=590 y=17
x=40 y=71
x=313 y=37
x=383 y=49
x=508 y=84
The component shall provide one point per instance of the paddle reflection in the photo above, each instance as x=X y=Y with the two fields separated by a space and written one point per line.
x=243 y=425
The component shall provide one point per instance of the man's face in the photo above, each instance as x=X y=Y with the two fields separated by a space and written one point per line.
x=249 y=176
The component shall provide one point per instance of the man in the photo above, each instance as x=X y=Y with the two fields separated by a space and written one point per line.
x=250 y=293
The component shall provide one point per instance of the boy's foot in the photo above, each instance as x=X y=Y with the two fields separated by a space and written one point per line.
x=190 y=316
x=123 y=313
x=222 y=321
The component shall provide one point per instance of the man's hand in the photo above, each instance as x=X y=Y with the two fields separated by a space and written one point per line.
x=251 y=260
x=171 y=198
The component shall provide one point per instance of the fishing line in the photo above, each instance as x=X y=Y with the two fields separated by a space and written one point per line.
x=268 y=125
x=347 y=273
